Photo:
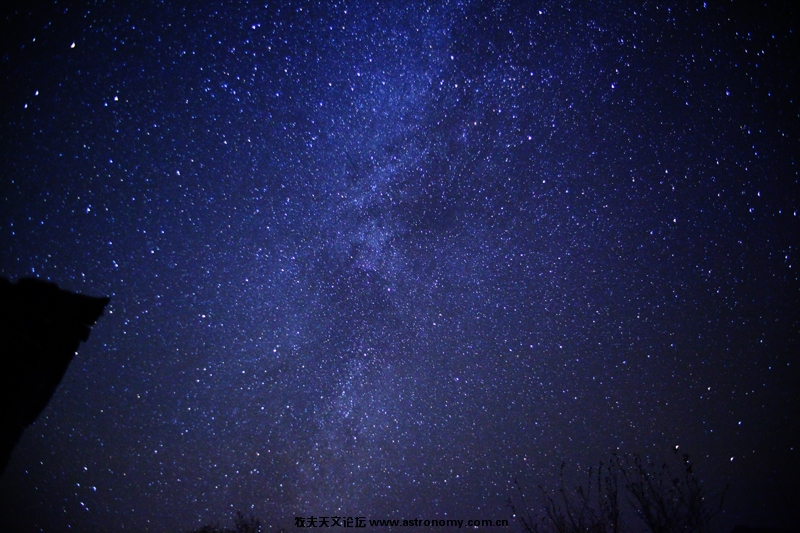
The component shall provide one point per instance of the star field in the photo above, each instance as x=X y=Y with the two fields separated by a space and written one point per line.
x=380 y=260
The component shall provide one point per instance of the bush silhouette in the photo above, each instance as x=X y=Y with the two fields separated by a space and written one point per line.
x=665 y=499
x=240 y=525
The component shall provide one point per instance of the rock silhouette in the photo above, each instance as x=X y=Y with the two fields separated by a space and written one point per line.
x=41 y=327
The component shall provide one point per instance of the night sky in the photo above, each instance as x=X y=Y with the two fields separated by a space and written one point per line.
x=380 y=261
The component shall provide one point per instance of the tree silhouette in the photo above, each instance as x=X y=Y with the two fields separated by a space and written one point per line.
x=666 y=499
x=593 y=507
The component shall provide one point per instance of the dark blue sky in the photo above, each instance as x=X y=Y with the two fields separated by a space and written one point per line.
x=380 y=261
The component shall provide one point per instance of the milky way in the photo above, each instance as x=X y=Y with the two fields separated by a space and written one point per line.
x=382 y=260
